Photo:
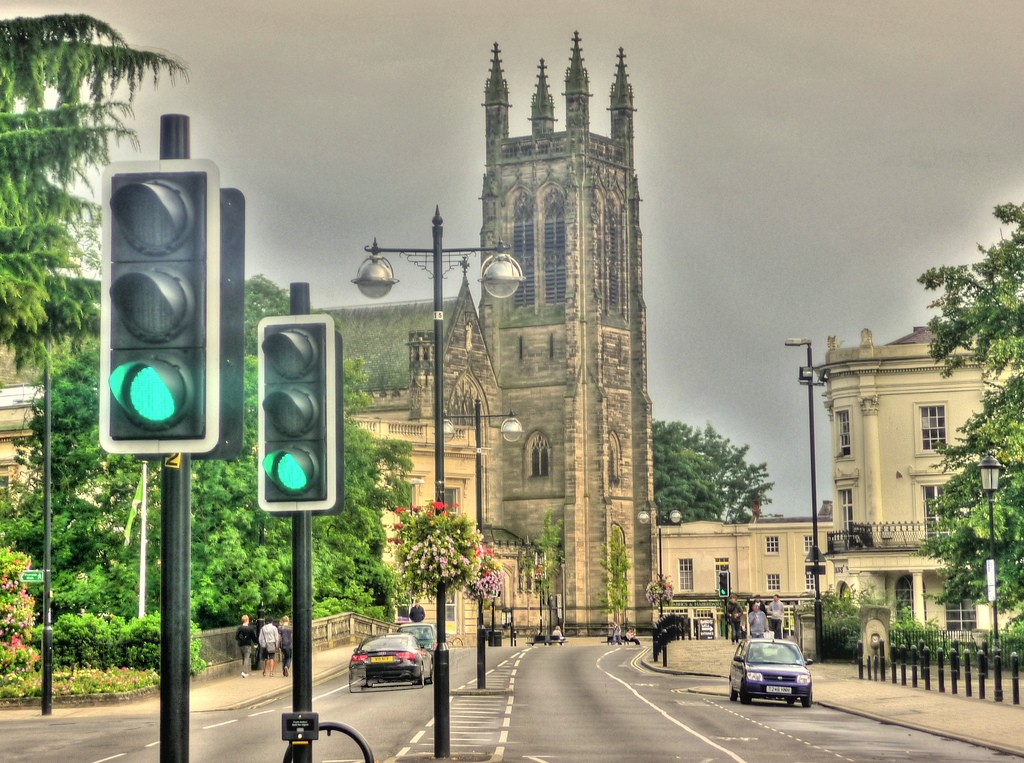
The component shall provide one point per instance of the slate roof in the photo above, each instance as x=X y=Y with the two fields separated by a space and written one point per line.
x=920 y=335
x=380 y=335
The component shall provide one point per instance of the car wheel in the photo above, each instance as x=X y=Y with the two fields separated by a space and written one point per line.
x=733 y=695
x=744 y=697
x=806 y=701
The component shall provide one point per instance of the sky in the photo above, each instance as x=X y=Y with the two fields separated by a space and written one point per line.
x=801 y=163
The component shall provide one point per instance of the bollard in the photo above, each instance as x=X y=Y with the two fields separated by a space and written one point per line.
x=1014 y=677
x=967 y=672
x=926 y=667
x=997 y=670
x=860 y=660
x=954 y=666
x=892 y=661
x=913 y=666
x=941 y=671
x=982 y=673
x=881 y=658
x=903 y=665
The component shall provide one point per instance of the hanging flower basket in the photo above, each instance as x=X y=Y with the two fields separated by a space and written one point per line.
x=658 y=591
x=434 y=546
x=490 y=579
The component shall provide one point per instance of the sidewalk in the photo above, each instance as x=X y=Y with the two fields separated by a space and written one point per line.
x=227 y=693
x=994 y=725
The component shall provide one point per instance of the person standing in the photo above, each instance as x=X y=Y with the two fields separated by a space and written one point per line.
x=270 y=641
x=734 y=611
x=286 y=645
x=616 y=633
x=416 y=614
x=245 y=637
x=775 y=613
x=756 y=621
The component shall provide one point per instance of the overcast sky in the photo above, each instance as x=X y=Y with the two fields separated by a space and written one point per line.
x=800 y=163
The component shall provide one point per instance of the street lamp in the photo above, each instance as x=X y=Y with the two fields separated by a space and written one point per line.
x=675 y=517
x=990 y=469
x=500 y=276
x=511 y=430
x=807 y=377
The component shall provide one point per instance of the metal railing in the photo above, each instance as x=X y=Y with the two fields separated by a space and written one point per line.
x=878 y=535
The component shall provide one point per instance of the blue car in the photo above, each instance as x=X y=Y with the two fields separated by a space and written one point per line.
x=764 y=668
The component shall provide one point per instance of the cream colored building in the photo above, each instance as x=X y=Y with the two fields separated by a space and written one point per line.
x=889 y=407
x=765 y=556
x=16 y=401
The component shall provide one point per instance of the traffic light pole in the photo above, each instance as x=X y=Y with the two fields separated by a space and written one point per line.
x=302 y=585
x=176 y=551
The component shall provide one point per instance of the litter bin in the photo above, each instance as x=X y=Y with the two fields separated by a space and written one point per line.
x=495 y=637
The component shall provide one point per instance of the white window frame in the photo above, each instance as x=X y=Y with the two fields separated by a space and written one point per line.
x=769 y=542
x=844 y=444
x=685 y=574
x=773 y=581
x=932 y=426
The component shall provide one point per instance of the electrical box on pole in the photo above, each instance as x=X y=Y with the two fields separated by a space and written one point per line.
x=301 y=415
x=160 y=307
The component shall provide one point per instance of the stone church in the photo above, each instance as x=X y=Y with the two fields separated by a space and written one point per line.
x=567 y=352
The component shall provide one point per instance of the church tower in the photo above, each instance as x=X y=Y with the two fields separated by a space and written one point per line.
x=570 y=347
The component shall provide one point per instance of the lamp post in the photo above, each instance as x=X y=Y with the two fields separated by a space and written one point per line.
x=511 y=430
x=990 y=469
x=675 y=517
x=500 y=276
x=807 y=377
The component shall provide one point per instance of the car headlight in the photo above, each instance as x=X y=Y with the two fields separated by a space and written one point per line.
x=753 y=675
x=803 y=679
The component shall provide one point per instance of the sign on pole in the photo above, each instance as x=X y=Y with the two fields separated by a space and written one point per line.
x=32 y=576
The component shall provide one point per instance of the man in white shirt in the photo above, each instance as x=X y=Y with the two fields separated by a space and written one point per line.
x=776 y=610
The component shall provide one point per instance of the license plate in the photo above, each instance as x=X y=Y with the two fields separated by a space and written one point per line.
x=382 y=659
x=779 y=689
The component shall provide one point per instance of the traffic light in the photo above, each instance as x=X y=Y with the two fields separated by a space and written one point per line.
x=160 y=307
x=300 y=415
x=723 y=583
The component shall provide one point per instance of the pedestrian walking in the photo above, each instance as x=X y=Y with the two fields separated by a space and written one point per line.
x=756 y=621
x=416 y=614
x=286 y=645
x=775 y=612
x=270 y=641
x=734 y=612
x=245 y=637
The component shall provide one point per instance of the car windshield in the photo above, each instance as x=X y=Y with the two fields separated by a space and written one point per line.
x=421 y=632
x=777 y=654
x=388 y=643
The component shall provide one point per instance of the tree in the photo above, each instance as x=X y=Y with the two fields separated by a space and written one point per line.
x=615 y=563
x=552 y=555
x=981 y=310
x=705 y=476
x=58 y=79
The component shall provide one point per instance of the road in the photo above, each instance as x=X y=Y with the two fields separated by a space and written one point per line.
x=563 y=704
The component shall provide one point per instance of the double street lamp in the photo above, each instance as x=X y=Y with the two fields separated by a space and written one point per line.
x=511 y=431
x=807 y=377
x=500 y=276
x=990 y=469
x=675 y=517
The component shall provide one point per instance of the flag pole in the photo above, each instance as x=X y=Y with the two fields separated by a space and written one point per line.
x=142 y=543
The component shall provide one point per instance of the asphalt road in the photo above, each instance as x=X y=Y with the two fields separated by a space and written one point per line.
x=585 y=704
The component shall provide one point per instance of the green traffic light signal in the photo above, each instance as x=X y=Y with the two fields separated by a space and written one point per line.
x=293 y=471
x=723 y=583
x=151 y=394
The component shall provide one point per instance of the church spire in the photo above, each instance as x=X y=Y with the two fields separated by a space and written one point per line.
x=622 y=108
x=543 y=112
x=576 y=80
x=496 y=90
x=577 y=94
x=495 y=108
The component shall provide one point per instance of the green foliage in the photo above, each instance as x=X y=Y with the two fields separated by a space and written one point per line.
x=17 y=657
x=615 y=563
x=981 y=309
x=85 y=681
x=435 y=546
x=704 y=475
x=552 y=552
x=58 y=75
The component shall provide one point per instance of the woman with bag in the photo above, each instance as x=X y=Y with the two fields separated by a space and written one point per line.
x=270 y=642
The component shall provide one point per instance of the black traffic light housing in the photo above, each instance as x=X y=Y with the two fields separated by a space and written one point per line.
x=724 y=583
x=160 y=307
x=301 y=415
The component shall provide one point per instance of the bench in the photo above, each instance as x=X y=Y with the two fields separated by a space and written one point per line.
x=634 y=640
x=540 y=638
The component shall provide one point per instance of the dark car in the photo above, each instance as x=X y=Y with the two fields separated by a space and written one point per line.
x=425 y=634
x=389 y=659
x=764 y=668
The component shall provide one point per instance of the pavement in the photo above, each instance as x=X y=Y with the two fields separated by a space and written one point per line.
x=985 y=723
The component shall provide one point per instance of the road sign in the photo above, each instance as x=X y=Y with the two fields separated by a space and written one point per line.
x=32 y=576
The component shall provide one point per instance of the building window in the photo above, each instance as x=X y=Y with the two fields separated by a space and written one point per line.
x=771 y=544
x=929 y=495
x=773 y=581
x=721 y=565
x=686 y=574
x=933 y=426
x=449 y=606
x=540 y=456
x=808 y=581
x=846 y=508
x=808 y=544
x=451 y=497
x=523 y=250
x=905 y=596
x=961 y=616
x=554 y=249
x=843 y=432
x=614 y=460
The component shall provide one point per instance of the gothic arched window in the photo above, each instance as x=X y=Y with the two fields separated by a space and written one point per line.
x=554 y=248
x=523 y=250
x=539 y=451
x=905 y=595
x=614 y=460
x=463 y=398
x=613 y=256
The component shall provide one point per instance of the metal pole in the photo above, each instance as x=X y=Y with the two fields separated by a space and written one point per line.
x=481 y=631
x=661 y=574
x=47 y=682
x=998 y=695
x=814 y=509
x=143 y=553
x=442 y=717
x=302 y=584
x=176 y=550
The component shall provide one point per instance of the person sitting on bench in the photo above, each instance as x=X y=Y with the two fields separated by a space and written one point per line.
x=631 y=637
